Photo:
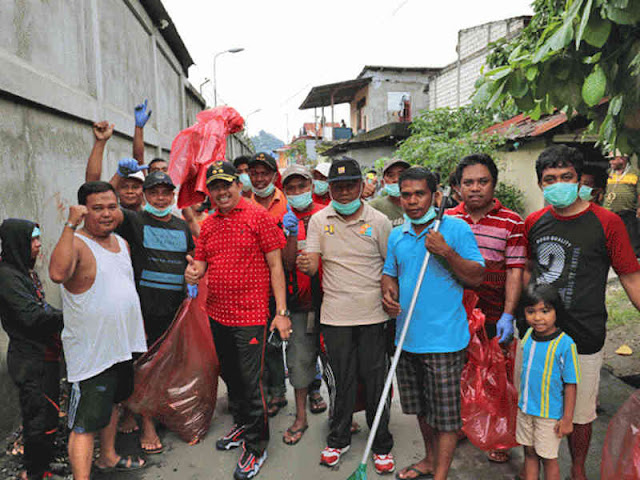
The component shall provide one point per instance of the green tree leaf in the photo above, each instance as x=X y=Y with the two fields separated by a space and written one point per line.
x=597 y=31
x=583 y=23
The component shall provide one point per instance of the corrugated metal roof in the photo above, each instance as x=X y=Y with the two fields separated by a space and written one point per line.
x=343 y=92
x=522 y=127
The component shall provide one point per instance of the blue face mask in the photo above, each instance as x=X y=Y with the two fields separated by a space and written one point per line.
x=264 y=192
x=585 y=193
x=346 y=208
x=392 y=189
x=35 y=233
x=246 y=181
x=300 y=202
x=426 y=218
x=157 y=212
x=320 y=187
x=561 y=194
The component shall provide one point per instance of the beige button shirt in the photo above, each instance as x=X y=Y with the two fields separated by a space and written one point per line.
x=353 y=255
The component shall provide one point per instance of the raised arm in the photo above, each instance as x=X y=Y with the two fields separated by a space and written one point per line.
x=102 y=132
x=142 y=115
x=64 y=258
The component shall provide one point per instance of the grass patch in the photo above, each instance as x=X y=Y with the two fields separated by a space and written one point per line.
x=621 y=310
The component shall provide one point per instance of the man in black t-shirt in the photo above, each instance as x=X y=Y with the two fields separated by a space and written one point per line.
x=571 y=245
x=159 y=244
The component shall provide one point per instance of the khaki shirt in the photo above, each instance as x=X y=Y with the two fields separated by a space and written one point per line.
x=353 y=254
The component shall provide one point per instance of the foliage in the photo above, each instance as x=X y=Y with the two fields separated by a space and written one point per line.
x=266 y=142
x=572 y=56
x=510 y=196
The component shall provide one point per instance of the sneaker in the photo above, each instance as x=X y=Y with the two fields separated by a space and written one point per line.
x=384 y=463
x=233 y=439
x=331 y=456
x=248 y=465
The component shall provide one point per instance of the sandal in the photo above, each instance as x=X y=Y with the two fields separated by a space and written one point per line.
x=316 y=403
x=498 y=456
x=125 y=464
x=294 y=435
x=413 y=469
x=153 y=450
x=275 y=406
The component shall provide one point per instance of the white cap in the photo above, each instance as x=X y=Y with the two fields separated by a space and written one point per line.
x=323 y=168
x=138 y=175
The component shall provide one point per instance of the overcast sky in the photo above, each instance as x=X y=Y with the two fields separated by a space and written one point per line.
x=292 y=45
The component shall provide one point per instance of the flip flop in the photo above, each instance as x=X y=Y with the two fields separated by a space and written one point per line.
x=317 y=403
x=412 y=468
x=293 y=433
x=274 y=407
x=125 y=464
x=498 y=456
x=153 y=451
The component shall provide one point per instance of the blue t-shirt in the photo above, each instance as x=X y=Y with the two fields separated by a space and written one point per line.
x=547 y=364
x=439 y=321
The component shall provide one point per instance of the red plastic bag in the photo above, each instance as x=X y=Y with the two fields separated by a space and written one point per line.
x=621 y=451
x=489 y=398
x=197 y=147
x=176 y=381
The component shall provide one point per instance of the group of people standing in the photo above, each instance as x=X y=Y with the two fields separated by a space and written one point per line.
x=305 y=258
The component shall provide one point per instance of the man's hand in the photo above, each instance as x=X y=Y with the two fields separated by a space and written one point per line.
x=141 y=114
x=390 y=297
x=436 y=244
x=303 y=262
x=127 y=166
x=638 y=213
x=102 y=131
x=369 y=189
x=77 y=214
x=283 y=324
x=563 y=427
x=504 y=328
x=192 y=273
x=290 y=222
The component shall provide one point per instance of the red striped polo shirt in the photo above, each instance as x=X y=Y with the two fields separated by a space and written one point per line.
x=500 y=236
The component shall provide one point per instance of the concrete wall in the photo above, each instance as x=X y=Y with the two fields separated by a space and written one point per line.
x=518 y=168
x=367 y=157
x=63 y=65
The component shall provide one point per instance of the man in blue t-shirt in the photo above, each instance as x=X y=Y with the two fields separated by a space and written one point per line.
x=434 y=351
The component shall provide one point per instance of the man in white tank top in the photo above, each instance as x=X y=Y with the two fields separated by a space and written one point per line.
x=102 y=325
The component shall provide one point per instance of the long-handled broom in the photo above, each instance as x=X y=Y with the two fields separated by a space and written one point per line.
x=361 y=471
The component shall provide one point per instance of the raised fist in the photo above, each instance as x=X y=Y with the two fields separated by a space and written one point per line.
x=102 y=131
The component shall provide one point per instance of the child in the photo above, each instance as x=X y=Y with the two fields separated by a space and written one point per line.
x=548 y=381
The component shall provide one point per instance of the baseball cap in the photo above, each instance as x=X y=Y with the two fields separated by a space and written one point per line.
x=241 y=160
x=345 y=168
x=323 y=168
x=296 y=169
x=264 y=158
x=394 y=161
x=157 y=178
x=221 y=171
x=137 y=176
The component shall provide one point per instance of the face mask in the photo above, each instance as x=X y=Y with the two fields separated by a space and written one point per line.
x=426 y=218
x=266 y=191
x=157 y=212
x=320 y=187
x=346 y=208
x=585 y=193
x=392 y=189
x=561 y=194
x=35 y=233
x=246 y=181
x=300 y=202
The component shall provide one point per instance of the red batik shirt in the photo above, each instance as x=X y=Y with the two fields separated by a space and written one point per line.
x=234 y=246
x=500 y=237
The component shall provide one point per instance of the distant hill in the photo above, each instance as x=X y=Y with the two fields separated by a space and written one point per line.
x=266 y=142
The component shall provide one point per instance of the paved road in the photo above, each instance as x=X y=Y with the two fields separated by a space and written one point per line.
x=202 y=461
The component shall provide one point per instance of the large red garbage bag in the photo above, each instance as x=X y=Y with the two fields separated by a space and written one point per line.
x=489 y=398
x=621 y=451
x=176 y=381
x=197 y=147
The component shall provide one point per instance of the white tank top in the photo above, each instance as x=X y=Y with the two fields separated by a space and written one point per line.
x=103 y=325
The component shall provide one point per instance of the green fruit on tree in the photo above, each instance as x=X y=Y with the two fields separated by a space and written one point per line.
x=594 y=86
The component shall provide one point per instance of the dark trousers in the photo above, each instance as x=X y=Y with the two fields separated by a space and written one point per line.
x=357 y=354
x=631 y=223
x=274 y=363
x=241 y=355
x=38 y=385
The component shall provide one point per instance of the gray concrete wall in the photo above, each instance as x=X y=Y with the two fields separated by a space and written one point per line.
x=367 y=157
x=63 y=65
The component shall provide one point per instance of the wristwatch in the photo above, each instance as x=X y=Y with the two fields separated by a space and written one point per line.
x=284 y=313
x=71 y=226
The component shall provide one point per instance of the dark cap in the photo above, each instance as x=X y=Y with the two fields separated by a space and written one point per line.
x=157 y=178
x=266 y=159
x=242 y=159
x=345 y=168
x=221 y=171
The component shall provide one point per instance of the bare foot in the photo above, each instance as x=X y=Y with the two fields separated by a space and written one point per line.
x=128 y=423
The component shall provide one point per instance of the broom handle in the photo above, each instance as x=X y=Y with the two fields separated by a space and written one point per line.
x=403 y=334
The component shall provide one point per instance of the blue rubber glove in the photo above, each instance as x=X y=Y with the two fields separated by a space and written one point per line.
x=127 y=166
x=141 y=114
x=504 y=328
x=192 y=290
x=290 y=222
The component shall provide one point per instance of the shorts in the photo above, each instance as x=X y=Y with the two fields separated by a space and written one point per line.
x=539 y=433
x=587 y=390
x=429 y=386
x=92 y=400
x=302 y=351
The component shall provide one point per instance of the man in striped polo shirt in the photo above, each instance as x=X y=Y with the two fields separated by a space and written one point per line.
x=499 y=233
